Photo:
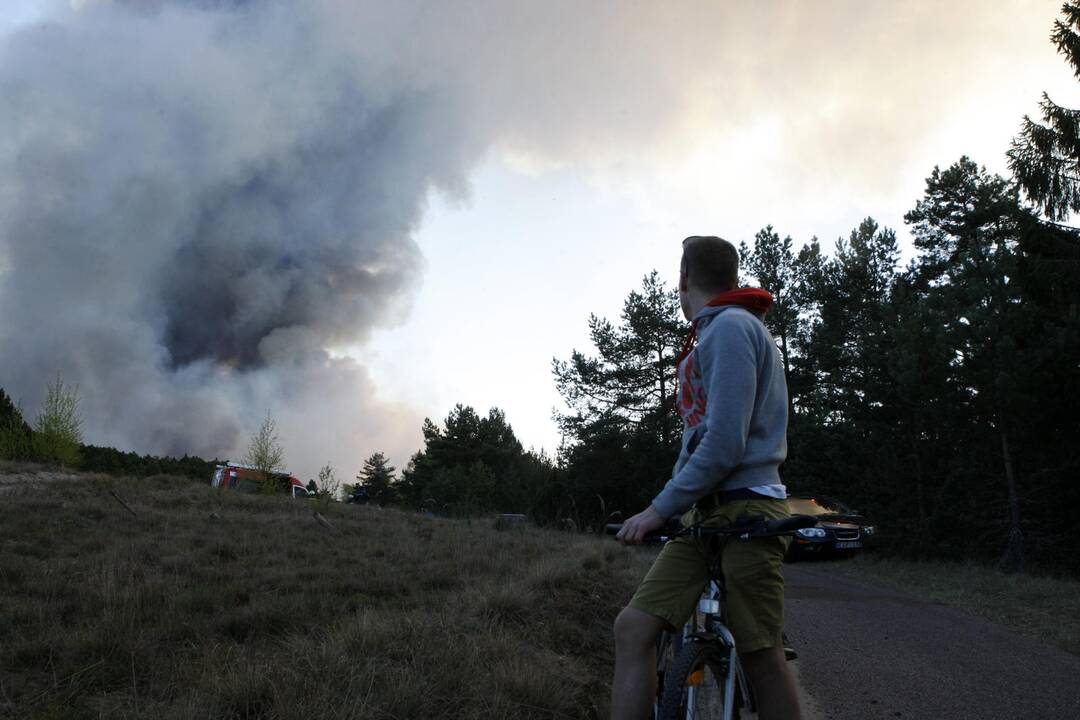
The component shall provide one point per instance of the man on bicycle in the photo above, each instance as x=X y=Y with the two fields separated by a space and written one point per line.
x=733 y=401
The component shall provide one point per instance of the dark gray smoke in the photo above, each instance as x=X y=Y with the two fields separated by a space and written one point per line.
x=196 y=199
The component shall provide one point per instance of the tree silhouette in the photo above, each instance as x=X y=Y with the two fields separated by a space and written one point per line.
x=377 y=478
x=1045 y=157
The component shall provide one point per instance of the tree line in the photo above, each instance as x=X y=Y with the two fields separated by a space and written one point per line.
x=56 y=438
x=936 y=397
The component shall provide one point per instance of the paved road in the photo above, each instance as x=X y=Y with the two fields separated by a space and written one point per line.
x=868 y=652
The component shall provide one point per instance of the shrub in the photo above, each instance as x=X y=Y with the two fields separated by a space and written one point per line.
x=266 y=455
x=58 y=429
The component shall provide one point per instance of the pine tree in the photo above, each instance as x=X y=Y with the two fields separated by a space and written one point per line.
x=839 y=379
x=1045 y=157
x=474 y=464
x=773 y=264
x=631 y=378
x=621 y=435
x=377 y=478
x=849 y=337
x=967 y=226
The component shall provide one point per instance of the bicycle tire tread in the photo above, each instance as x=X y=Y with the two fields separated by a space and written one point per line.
x=693 y=654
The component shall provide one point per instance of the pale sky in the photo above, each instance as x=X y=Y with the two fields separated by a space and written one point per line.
x=609 y=142
x=514 y=272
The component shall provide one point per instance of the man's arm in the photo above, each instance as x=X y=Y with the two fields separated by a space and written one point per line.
x=728 y=357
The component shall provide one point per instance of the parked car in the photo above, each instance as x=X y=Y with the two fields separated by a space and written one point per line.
x=839 y=530
x=358 y=496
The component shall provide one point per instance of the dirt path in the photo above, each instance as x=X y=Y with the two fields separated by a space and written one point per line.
x=16 y=479
x=868 y=652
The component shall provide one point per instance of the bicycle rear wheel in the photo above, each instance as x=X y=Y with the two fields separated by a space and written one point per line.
x=694 y=686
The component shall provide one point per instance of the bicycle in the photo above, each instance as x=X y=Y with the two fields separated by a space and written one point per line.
x=698 y=670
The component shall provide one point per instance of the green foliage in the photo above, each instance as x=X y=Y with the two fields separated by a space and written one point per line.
x=631 y=378
x=377 y=478
x=1045 y=157
x=622 y=430
x=111 y=461
x=58 y=428
x=266 y=454
x=16 y=437
x=772 y=262
x=968 y=227
x=474 y=465
x=845 y=346
x=329 y=485
x=795 y=282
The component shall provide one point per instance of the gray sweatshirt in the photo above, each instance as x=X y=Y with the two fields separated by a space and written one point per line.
x=733 y=401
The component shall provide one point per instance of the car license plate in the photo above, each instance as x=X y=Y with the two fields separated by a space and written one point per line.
x=848 y=545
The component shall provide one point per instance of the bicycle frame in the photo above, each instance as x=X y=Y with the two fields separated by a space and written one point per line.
x=711 y=628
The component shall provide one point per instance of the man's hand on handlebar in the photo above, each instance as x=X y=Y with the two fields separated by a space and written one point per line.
x=638 y=526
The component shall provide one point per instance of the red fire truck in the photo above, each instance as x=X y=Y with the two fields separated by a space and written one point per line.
x=247 y=478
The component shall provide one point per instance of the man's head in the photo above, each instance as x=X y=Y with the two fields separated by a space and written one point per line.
x=710 y=266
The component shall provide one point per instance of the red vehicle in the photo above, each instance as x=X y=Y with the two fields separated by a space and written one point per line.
x=247 y=478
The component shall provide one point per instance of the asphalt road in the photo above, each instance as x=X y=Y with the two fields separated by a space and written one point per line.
x=868 y=652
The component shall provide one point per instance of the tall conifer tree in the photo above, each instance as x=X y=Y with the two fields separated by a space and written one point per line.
x=377 y=477
x=1045 y=156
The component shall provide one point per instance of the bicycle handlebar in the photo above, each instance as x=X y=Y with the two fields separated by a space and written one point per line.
x=757 y=528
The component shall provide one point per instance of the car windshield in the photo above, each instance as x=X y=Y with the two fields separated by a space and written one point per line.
x=815 y=506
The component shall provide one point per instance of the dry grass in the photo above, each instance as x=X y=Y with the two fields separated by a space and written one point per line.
x=1040 y=607
x=216 y=604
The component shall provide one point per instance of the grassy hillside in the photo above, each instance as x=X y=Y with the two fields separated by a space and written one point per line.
x=215 y=604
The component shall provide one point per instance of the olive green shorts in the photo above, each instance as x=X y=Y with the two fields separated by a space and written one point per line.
x=753 y=582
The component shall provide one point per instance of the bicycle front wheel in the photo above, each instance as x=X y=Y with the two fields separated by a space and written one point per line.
x=695 y=685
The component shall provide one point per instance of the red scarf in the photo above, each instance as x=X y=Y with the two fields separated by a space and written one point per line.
x=755 y=300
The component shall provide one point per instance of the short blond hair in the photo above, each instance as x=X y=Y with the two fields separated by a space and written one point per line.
x=711 y=263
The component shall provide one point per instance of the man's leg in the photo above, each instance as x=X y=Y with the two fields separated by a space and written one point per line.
x=754 y=607
x=634 y=686
x=774 y=685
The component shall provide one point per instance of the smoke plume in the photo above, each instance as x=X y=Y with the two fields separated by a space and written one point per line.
x=199 y=199
x=196 y=201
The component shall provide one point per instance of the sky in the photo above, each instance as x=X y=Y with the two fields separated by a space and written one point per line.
x=437 y=196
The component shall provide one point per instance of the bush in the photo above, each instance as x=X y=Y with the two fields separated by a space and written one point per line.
x=58 y=431
x=266 y=455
